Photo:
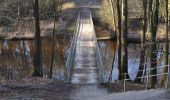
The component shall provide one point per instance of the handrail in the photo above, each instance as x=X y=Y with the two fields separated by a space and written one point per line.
x=99 y=57
x=148 y=76
x=147 y=69
x=72 y=49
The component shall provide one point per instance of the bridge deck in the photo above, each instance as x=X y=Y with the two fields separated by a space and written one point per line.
x=85 y=63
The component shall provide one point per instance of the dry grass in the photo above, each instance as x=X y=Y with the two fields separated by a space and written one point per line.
x=68 y=5
x=33 y=87
x=137 y=32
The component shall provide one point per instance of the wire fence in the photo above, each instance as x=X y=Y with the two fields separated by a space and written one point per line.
x=147 y=77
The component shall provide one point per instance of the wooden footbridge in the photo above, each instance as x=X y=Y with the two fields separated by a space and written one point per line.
x=84 y=64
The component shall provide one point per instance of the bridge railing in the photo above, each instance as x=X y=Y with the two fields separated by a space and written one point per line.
x=148 y=75
x=99 y=56
x=70 y=57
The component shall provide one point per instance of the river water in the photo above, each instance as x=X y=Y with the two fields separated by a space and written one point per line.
x=16 y=58
x=108 y=48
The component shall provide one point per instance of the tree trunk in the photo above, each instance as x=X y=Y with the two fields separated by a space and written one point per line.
x=143 y=46
x=164 y=77
x=38 y=71
x=110 y=76
x=124 y=63
x=53 y=42
x=154 y=23
x=114 y=16
x=18 y=18
x=119 y=39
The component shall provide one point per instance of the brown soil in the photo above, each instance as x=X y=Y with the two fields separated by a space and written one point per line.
x=101 y=32
x=33 y=87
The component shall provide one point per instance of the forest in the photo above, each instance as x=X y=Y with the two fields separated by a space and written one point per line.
x=84 y=49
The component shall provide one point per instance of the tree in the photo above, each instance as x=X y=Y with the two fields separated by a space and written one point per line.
x=57 y=11
x=115 y=30
x=143 y=39
x=164 y=77
x=153 y=14
x=38 y=71
x=18 y=17
x=114 y=15
x=124 y=63
x=53 y=40
x=119 y=38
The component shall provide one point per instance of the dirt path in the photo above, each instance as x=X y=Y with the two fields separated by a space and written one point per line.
x=87 y=92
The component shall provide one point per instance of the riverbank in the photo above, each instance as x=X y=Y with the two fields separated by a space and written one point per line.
x=51 y=89
x=134 y=33
x=64 y=28
x=35 y=88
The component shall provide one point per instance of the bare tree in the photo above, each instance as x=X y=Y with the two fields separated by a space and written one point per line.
x=119 y=37
x=143 y=39
x=38 y=71
x=116 y=31
x=18 y=17
x=57 y=11
x=164 y=77
x=53 y=40
x=153 y=13
x=124 y=63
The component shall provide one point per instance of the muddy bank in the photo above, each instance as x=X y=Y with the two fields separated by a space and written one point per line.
x=138 y=40
x=33 y=87
x=65 y=26
x=134 y=32
x=104 y=35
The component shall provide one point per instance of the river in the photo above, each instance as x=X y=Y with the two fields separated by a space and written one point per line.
x=16 y=58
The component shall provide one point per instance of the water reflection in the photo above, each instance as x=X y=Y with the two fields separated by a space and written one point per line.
x=16 y=58
x=133 y=60
x=108 y=48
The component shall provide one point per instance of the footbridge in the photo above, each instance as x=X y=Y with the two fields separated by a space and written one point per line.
x=84 y=64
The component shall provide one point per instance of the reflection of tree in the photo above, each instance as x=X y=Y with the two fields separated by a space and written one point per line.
x=25 y=54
